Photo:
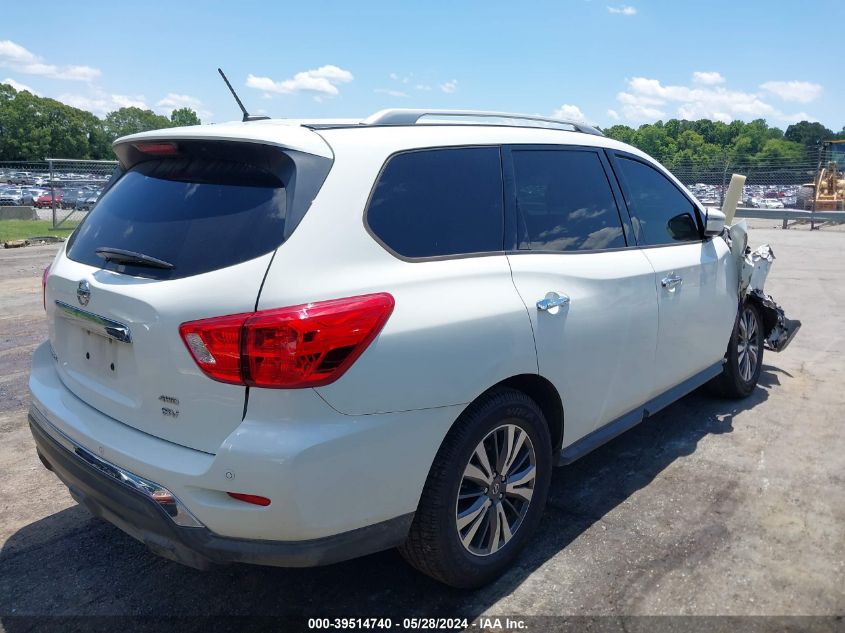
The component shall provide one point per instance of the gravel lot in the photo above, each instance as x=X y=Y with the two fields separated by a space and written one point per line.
x=710 y=507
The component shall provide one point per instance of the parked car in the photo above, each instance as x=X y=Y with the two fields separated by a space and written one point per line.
x=87 y=201
x=15 y=196
x=46 y=200
x=296 y=344
x=770 y=203
x=70 y=197
x=19 y=177
x=36 y=192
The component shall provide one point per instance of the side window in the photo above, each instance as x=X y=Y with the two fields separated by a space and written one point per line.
x=661 y=214
x=440 y=202
x=564 y=201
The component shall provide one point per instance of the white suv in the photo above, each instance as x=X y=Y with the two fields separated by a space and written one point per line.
x=293 y=343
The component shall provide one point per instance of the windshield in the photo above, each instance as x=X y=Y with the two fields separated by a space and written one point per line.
x=837 y=153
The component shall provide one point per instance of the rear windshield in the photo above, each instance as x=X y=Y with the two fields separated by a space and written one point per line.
x=197 y=213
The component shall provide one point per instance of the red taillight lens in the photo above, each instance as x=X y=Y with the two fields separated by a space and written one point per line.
x=302 y=346
x=44 y=277
x=216 y=345
x=253 y=499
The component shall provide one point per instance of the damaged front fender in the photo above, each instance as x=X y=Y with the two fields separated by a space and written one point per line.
x=753 y=267
x=778 y=328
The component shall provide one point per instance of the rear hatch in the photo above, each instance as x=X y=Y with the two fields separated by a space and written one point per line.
x=186 y=232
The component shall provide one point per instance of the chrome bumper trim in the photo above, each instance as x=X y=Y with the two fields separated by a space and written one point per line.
x=174 y=508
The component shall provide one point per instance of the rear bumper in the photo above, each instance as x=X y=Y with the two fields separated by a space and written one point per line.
x=109 y=492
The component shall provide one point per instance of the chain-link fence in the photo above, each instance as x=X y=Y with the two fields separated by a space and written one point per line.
x=57 y=189
x=773 y=183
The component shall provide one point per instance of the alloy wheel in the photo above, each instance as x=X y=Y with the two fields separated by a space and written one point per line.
x=495 y=490
x=748 y=343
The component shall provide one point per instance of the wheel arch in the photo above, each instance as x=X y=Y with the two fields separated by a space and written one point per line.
x=768 y=313
x=546 y=395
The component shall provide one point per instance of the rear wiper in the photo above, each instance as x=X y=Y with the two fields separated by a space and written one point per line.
x=120 y=256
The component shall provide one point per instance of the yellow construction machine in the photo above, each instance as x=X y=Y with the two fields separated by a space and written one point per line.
x=827 y=191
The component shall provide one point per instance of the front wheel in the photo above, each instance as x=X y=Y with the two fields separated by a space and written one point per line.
x=485 y=492
x=744 y=359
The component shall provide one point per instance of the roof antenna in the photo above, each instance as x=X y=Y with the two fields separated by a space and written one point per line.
x=247 y=115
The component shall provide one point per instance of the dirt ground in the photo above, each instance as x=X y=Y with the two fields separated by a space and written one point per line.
x=711 y=507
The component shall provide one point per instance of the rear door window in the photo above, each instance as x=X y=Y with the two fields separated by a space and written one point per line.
x=660 y=213
x=441 y=202
x=564 y=201
x=197 y=213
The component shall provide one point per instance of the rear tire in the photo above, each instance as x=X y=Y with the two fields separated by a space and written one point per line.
x=471 y=524
x=804 y=197
x=744 y=359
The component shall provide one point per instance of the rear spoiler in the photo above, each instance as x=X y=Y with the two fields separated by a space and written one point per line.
x=270 y=132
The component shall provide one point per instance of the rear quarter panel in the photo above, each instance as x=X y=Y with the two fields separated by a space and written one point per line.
x=458 y=327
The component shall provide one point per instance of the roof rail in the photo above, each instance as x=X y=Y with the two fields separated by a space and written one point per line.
x=402 y=116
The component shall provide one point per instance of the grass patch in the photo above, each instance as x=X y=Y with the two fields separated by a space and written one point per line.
x=23 y=229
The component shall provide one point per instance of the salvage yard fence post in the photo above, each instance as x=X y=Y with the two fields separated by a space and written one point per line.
x=73 y=177
x=52 y=191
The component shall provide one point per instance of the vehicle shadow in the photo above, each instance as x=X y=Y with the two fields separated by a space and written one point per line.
x=72 y=564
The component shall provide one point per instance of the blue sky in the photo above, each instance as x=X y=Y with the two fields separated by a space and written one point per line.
x=605 y=62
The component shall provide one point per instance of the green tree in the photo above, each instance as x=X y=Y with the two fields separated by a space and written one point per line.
x=99 y=143
x=132 y=120
x=780 y=149
x=808 y=134
x=184 y=116
x=34 y=128
x=621 y=133
x=703 y=148
x=654 y=140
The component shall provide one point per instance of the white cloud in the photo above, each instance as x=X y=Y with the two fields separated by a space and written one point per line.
x=77 y=73
x=800 y=91
x=21 y=60
x=173 y=101
x=11 y=52
x=623 y=10
x=408 y=80
x=126 y=101
x=392 y=93
x=321 y=81
x=569 y=112
x=450 y=86
x=101 y=103
x=405 y=79
x=647 y=100
x=18 y=85
x=798 y=116
x=613 y=114
x=707 y=78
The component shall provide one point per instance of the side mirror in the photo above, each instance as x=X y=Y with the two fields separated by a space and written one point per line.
x=714 y=221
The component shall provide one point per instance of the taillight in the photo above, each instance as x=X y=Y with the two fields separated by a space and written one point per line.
x=44 y=277
x=302 y=346
x=157 y=148
x=216 y=345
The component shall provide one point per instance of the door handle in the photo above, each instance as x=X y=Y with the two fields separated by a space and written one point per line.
x=551 y=301
x=672 y=281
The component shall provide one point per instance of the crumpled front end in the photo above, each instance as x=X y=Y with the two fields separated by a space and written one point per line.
x=753 y=270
